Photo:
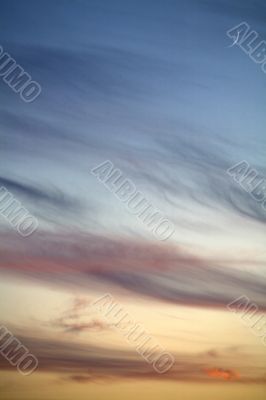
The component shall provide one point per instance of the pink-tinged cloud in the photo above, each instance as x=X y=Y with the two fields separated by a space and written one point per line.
x=157 y=271
x=72 y=320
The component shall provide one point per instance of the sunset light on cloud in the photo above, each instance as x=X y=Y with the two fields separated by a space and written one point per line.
x=132 y=263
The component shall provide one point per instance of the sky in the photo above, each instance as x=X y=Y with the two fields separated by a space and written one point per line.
x=156 y=89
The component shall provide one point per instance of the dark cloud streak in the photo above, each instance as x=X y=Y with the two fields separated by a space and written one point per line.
x=158 y=272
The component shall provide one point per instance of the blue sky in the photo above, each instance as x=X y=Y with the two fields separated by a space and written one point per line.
x=128 y=81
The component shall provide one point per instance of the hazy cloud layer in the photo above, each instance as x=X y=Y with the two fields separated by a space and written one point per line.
x=162 y=273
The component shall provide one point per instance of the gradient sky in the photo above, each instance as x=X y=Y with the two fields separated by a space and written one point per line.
x=154 y=87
